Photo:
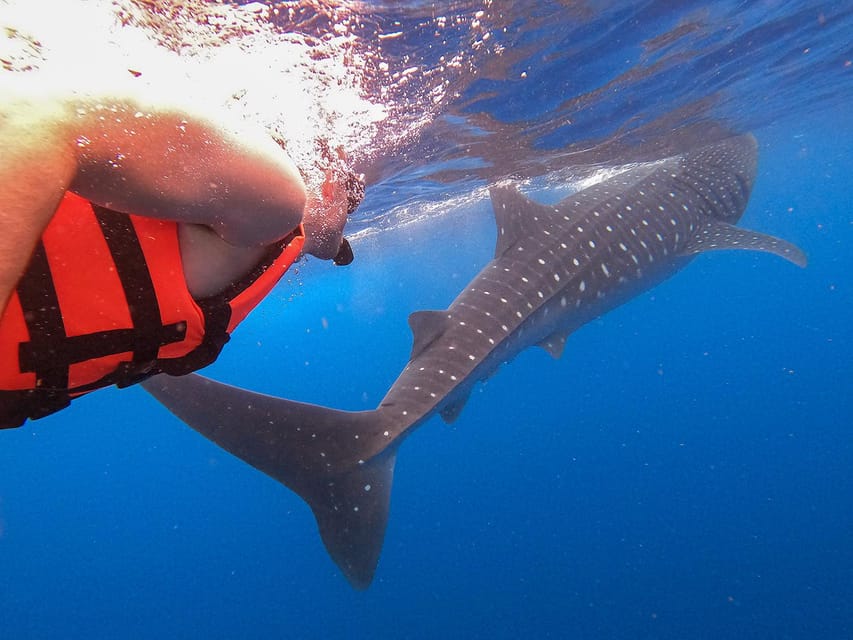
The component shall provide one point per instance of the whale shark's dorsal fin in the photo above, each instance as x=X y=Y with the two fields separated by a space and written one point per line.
x=516 y=216
x=426 y=327
x=716 y=235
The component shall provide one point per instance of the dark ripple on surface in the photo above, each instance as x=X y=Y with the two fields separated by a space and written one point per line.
x=477 y=91
x=604 y=82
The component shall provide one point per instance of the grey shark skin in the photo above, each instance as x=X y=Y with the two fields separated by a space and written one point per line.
x=555 y=268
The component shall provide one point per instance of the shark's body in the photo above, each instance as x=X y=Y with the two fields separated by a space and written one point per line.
x=555 y=268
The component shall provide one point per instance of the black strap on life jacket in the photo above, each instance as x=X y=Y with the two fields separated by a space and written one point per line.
x=41 y=312
x=50 y=351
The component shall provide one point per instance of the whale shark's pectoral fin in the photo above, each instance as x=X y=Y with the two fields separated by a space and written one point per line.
x=426 y=327
x=555 y=344
x=719 y=235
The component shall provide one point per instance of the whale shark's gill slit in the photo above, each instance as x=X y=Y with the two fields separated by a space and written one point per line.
x=744 y=187
x=692 y=186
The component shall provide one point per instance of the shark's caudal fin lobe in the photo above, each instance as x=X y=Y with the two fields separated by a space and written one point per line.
x=334 y=460
x=715 y=235
x=352 y=514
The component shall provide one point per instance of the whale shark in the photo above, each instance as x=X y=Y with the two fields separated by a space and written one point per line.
x=555 y=268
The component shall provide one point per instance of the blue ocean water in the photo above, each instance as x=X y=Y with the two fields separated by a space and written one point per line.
x=682 y=472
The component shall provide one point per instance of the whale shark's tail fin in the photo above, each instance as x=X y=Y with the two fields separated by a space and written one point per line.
x=339 y=462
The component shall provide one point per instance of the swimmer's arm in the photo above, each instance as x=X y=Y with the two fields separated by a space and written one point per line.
x=180 y=163
x=36 y=168
x=135 y=154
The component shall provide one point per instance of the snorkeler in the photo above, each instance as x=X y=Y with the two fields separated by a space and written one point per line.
x=136 y=232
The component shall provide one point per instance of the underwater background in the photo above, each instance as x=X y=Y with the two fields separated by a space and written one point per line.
x=684 y=471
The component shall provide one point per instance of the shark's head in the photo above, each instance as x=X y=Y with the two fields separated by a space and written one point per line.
x=718 y=179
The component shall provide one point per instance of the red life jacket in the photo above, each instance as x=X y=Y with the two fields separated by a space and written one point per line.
x=104 y=301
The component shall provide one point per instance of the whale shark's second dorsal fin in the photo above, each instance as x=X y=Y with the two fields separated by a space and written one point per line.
x=716 y=235
x=426 y=327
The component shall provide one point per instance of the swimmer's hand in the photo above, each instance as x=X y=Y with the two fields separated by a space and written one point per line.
x=326 y=215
